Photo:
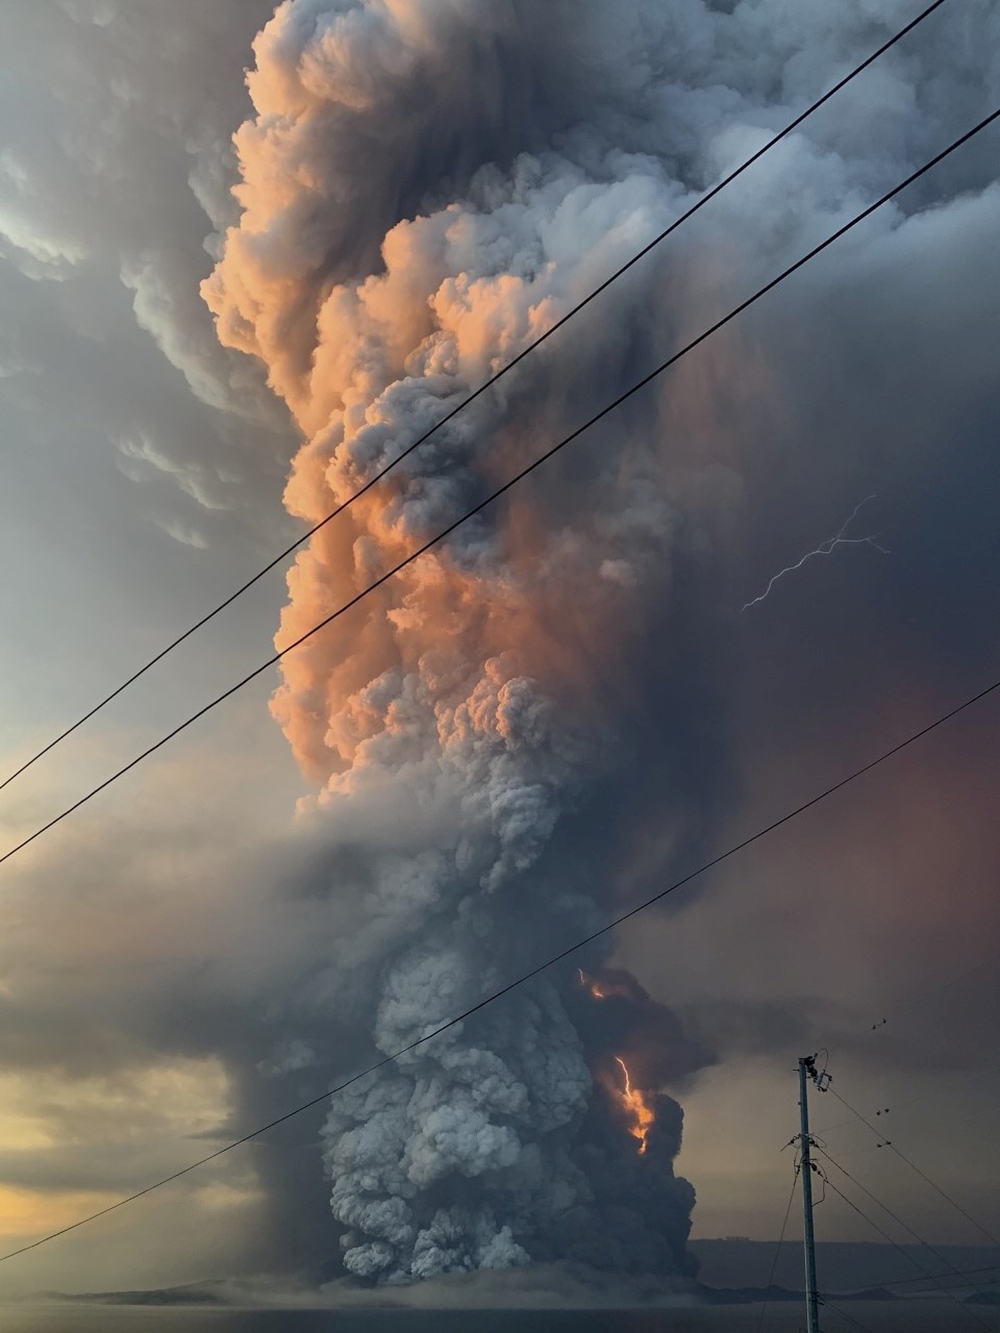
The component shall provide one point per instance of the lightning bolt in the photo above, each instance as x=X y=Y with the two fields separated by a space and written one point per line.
x=824 y=548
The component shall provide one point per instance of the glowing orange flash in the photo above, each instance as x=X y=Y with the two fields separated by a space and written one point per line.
x=642 y=1114
x=593 y=986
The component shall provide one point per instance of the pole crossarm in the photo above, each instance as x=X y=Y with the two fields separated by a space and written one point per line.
x=809 y=1073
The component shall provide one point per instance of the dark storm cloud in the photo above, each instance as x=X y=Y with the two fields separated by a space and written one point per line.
x=116 y=170
x=560 y=137
x=626 y=115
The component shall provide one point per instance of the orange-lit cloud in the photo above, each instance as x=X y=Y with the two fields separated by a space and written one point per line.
x=25 y=1212
x=641 y=1114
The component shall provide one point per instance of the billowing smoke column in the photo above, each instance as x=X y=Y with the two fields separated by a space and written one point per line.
x=429 y=184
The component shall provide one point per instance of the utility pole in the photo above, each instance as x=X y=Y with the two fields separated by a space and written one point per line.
x=807 y=1071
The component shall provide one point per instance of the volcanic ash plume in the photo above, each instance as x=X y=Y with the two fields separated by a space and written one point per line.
x=426 y=187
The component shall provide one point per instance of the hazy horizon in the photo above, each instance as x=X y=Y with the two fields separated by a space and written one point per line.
x=249 y=253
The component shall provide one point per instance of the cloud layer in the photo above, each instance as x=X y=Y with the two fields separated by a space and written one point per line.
x=560 y=710
x=406 y=228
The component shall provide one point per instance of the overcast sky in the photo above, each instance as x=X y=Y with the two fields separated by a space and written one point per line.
x=172 y=958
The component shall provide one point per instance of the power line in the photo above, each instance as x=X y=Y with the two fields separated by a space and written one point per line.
x=923 y=1176
x=625 y=916
x=947 y=1125
x=520 y=981
x=886 y=1209
x=967 y=1119
x=934 y=989
x=847 y=1318
x=956 y=1272
x=947 y=1291
x=306 y=536
x=526 y=471
x=777 y=1251
x=938 y=1280
x=919 y=1101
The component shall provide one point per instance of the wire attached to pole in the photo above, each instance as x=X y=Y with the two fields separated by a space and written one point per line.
x=923 y=1176
x=777 y=1249
x=909 y=1257
x=624 y=916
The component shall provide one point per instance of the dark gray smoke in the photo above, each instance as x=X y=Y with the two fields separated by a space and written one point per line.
x=426 y=186
x=631 y=720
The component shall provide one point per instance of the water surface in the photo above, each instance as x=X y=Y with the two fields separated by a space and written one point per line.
x=913 y=1317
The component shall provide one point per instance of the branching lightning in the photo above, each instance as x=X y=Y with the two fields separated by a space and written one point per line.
x=640 y=1112
x=825 y=548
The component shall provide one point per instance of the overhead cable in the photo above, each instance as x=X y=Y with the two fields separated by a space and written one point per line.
x=849 y=1319
x=934 y=989
x=520 y=476
x=923 y=1176
x=888 y=1211
x=930 y=1276
x=777 y=1250
x=955 y=1273
x=919 y=1101
x=625 y=916
x=570 y=314
x=513 y=985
